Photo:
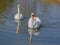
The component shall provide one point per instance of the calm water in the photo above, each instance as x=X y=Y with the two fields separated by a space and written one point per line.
x=50 y=27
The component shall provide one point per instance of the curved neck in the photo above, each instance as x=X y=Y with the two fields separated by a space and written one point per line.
x=32 y=22
x=18 y=10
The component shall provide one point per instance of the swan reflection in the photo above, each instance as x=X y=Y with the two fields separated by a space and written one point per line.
x=33 y=31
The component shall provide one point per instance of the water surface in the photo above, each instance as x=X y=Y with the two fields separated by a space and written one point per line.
x=49 y=31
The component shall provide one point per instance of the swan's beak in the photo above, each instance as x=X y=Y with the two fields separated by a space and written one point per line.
x=32 y=15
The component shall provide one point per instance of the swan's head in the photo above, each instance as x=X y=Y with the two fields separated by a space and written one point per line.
x=19 y=6
x=32 y=15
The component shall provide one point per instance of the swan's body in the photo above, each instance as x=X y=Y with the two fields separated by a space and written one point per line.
x=16 y=17
x=36 y=22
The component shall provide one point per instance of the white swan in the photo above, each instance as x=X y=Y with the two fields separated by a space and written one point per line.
x=34 y=22
x=19 y=15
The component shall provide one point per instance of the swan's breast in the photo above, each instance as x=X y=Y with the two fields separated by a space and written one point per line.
x=36 y=23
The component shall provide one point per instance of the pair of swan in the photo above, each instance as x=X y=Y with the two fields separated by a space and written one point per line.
x=33 y=22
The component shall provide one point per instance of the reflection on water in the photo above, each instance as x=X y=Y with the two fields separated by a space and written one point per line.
x=34 y=31
x=18 y=26
x=31 y=31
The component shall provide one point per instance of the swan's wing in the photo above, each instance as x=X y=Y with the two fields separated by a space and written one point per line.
x=29 y=21
x=21 y=16
x=38 y=19
x=16 y=16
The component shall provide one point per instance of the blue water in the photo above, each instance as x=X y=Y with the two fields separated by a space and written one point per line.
x=49 y=31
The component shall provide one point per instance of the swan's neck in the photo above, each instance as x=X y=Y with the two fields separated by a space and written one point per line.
x=19 y=12
x=33 y=18
x=32 y=21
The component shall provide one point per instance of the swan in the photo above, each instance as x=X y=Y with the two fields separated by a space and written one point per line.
x=34 y=22
x=33 y=26
x=19 y=16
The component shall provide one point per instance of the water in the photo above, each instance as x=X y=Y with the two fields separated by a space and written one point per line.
x=49 y=31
